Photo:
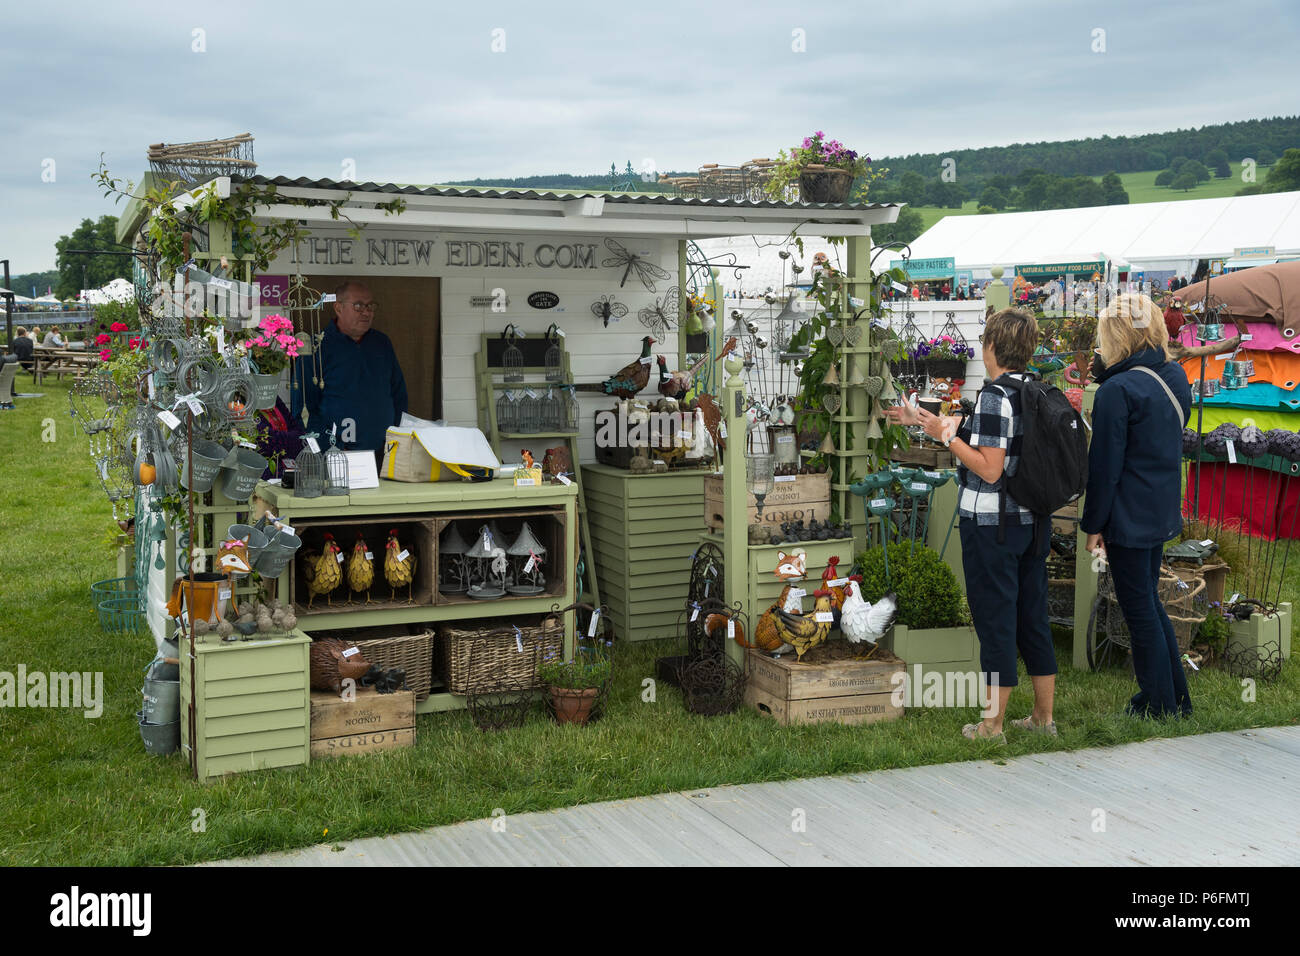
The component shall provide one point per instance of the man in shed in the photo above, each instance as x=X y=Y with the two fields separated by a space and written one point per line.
x=362 y=389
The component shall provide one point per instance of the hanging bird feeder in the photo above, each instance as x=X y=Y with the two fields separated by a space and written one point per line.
x=487 y=567
x=453 y=568
x=759 y=471
x=527 y=555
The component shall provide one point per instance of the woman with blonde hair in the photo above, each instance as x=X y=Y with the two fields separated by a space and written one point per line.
x=1134 y=498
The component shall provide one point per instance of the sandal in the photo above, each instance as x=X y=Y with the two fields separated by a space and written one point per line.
x=976 y=732
x=1027 y=723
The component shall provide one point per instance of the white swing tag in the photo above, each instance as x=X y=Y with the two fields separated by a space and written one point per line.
x=223 y=594
x=313 y=445
x=695 y=612
x=196 y=408
x=722 y=429
x=564 y=479
x=352 y=652
x=1192 y=662
x=532 y=563
x=837 y=582
x=1207 y=542
x=644 y=360
x=879 y=502
x=168 y=419
x=1235 y=596
x=920 y=486
x=823 y=617
x=340 y=557
x=1232 y=452
x=404 y=555
x=595 y=619
x=731 y=629
x=370 y=556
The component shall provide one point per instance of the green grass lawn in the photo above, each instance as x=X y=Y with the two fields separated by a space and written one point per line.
x=79 y=791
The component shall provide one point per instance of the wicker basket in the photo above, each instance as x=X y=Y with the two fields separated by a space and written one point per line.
x=412 y=652
x=496 y=656
x=1184 y=602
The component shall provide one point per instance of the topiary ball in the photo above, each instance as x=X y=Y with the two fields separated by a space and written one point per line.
x=1216 y=443
x=1191 y=438
x=928 y=593
x=1253 y=443
x=1285 y=444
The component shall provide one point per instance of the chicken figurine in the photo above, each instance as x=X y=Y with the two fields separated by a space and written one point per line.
x=399 y=566
x=323 y=572
x=860 y=621
x=360 y=568
x=804 y=632
x=628 y=380
x=832 y=573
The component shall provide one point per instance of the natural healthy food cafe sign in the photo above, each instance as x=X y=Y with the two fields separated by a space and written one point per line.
x=926 y=268
x=1068 y=269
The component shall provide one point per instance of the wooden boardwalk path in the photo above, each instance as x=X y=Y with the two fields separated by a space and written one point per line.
x=1214 y=799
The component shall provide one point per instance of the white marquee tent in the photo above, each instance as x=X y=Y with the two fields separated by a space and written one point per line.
x=1148 y=236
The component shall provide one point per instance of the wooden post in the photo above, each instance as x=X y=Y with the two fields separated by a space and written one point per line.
x=682 y=315
x=735 y=530
x=858 y=404
x=996 y=295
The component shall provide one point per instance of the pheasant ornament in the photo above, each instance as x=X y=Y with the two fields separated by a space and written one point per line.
x=628 y=380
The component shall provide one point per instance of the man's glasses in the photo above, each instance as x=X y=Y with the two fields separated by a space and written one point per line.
x=363 y=306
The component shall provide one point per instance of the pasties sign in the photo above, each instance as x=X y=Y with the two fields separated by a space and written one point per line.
x=439 y=254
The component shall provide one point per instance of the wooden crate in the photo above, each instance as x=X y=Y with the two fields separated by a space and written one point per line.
x=644 y=529
x=840 y=691
x=413 y=533
x=369 y=723
x=928 y=456
x=252 y=710
x=549 y=526
x=806 y=498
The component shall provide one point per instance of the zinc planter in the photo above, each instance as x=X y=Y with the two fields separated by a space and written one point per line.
x=266 y=388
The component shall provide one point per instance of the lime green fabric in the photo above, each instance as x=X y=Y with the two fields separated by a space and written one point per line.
x=1217 y=415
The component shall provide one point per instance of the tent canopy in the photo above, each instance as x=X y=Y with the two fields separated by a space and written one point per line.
x=1263 y=294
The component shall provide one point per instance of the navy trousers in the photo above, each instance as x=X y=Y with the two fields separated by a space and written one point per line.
x=1006 y=588
x=1162 y=685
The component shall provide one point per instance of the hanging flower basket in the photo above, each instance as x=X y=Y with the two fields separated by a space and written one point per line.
x=945 y=368
x=825 y=184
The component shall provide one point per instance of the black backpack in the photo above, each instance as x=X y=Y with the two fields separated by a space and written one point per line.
x=1053 y=468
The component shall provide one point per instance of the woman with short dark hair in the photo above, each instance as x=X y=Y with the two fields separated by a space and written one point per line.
x=1004 y=546
x=1134 y=498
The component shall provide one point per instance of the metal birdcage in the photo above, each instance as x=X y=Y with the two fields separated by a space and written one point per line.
x=202 y=161
x=554 y=359
x=512 y=359
x=527 y=555
x=453 y=567
x=508 y=412
x=569 y=398
x=308 y=470
x=336 y=469
x=530 y=414
x=552 y=411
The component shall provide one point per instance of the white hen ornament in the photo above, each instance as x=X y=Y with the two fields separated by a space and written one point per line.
x=860 y=621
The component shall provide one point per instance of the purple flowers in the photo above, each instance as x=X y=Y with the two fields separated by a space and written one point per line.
x=816 y=149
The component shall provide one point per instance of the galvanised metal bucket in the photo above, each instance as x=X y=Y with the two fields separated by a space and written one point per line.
x=278 y=553
x=242 y=474
x=207 y=457
x=160 y=739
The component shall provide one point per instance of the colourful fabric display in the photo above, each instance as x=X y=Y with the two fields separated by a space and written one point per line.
x=1274 y=368
x=1212 y=416
x=1265 y=337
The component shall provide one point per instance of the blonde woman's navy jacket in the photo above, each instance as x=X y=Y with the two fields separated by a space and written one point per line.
x=1135 y=461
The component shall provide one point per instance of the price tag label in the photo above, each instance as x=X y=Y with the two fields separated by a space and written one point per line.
x=1221 y=357
x=722 y=429
x=1246 y=337
x=221 y=334
x=221 y=284
x=824 y=617
x=563 y=479
x=785 y=439
x=837 y=582
x=524 y=482
x=313 y=445
x=340 y=557
x=1192 y=662
x=560 y=332
x=370 y=556
x=797 y=593
x=785 y=477
x=532 y=563
x=248 y=444
x=286 y=529
x=151 y=386
x=223 y=594
x=404 y=555
x=660 y=461
x=695 y=612
x=1235 y=596
x=519 y=641
x=731 y=629
x=1232 y=452
x=1207 y=542
x=595 y=619
x=879 y=502
x=933 y=474
x=920 y=486
x=644 y=360
x=168 y=419
x=196 y=407
x=352 y=652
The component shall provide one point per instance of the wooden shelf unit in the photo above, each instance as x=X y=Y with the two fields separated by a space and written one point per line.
x=436 y=503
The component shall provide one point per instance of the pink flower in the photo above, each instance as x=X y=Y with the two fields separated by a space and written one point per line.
x=105 y=355
x=118 y=326
x=103 y=338
x=133 y=344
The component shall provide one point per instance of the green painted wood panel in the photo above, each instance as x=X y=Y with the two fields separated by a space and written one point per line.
x=265 y=660
x=260 y=703
x=262 y=760
x=260 y=684
x=250 y=722
x=251 y=743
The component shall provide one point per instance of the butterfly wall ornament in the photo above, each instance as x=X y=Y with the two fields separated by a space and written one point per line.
x=645 y=270
x=606 y=308
x=662 y=315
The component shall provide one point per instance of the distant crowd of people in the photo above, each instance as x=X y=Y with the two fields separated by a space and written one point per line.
x=27 y=341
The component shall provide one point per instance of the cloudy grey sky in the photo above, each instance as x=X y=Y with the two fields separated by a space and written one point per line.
x=414 y=91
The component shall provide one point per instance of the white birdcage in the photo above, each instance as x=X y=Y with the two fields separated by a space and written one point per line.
x=336 y=469
x=308 y=470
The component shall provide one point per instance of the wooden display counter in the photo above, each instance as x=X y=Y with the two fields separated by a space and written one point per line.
x=644 y=529
x=431 y=505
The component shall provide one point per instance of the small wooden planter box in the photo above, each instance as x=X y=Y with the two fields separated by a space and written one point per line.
x=252 y=707
x=370 y=723
x=941 y=657
x=1262 y=633
x=806 y=498
x=928 y=456
x=843 y=692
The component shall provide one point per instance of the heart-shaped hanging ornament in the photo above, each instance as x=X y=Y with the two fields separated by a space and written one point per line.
x=874 y=385
x=853 y=335
x=835 y=334
x=831 y=402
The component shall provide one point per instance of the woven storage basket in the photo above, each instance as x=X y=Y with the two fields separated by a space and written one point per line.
x=496 y=658
x=1184 y=602
x=412 y=652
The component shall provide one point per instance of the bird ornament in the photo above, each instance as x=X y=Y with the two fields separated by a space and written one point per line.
x=323 y=571
x=399 y=566
x=360 y=568
x=628 y=380
x=860 y=621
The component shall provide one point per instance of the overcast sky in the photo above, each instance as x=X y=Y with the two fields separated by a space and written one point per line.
x=414 y=91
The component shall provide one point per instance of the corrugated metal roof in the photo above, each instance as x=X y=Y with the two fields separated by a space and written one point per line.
x=474 y=192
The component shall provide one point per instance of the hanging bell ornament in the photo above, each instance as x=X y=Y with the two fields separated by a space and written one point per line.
x=796 y=268
x=784 y=254
x=873 y=429
x=827 y=446
x=832 y=375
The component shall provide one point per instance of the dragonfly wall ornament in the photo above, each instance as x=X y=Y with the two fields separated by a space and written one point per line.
x=646 y=271
x=662 y=316
x=606 y=308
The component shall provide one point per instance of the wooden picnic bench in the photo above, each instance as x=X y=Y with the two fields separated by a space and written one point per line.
x=51 y=361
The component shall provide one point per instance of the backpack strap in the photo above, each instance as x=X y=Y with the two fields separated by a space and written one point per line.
x=1178 y=409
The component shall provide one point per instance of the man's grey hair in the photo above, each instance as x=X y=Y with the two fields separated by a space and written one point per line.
x=342 y=289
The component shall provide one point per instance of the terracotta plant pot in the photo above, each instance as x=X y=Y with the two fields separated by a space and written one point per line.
x=572 y=705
